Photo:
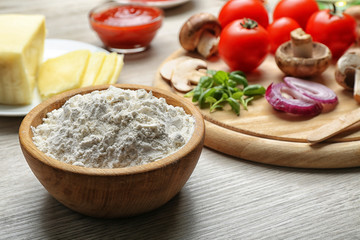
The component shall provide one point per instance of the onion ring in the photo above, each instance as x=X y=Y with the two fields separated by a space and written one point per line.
x=287 y=99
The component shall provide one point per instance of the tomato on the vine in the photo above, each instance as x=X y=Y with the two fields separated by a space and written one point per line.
x=279 y=31
x=299 y=10
x=238 y=9
x=243 y=45
x=337 y=32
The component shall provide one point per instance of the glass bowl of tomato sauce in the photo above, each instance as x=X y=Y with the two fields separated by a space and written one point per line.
x=126 y=28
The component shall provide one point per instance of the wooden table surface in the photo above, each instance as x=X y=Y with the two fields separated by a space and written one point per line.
x=225 y=198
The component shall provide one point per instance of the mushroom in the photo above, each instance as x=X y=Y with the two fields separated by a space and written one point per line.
x=354 y=11
x=183 y=71
x=347 y=73
x=201 y=33
x=168 y=67
x=301 y=57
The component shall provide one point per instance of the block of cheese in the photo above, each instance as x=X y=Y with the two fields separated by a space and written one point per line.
x=93 y=68
x=110 y=70
x=21 y=51
x=62 y=73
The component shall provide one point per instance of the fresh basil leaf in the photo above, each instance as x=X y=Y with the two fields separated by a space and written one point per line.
x=220 y=87
x=205 y=82
x=239 y=79
x=255 y=89
x=235 y=106
x=210 y=100
x=237 y=95
x=245 y=101
x=232 y=83
x=218 y=94
x=208 y=92
x=220 y=77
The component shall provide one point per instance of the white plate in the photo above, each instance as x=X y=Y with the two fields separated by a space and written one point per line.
x=52 y=48
x=160 y=4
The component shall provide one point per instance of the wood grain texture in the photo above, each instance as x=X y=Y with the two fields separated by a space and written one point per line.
x=265 y=135
x=225 y=197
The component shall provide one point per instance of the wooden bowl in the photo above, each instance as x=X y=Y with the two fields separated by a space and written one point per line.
x=118 y=192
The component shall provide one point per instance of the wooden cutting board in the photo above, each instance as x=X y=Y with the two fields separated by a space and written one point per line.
x=265 y=135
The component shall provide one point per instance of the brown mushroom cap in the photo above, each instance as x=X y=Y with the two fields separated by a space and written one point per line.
x=345 y=70
x=194 y=27
x=303 y=67
x=353 y=11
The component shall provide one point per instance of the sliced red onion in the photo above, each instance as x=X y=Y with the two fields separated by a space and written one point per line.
x=313 y=90
x=289 y=100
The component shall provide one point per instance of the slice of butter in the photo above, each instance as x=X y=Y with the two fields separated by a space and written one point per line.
x=108 y=69
x=21 y=51
x=93 y=68
x=62 y=73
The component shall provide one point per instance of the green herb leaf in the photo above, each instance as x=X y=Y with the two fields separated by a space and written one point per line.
x=235 y=106
x=238 y=95
x=239 y=78
x=220 y=77
x=255 y=89
x=220 y=88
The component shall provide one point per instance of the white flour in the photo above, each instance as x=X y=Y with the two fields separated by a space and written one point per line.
x=113 y=128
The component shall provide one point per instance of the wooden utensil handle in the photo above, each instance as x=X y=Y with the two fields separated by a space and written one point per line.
x=334 y=127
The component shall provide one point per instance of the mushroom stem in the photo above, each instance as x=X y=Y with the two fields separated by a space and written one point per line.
x=208 y=44
x=302 y=44
x=200 y=33
x=357 y=85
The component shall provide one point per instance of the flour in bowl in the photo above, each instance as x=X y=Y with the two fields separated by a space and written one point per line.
x=113 y=128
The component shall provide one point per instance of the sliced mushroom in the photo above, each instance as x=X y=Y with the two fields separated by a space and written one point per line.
x=194 y=78
x=184 y=71
x=300 y=57
x=168 y=67
x=201 y=33
x=347 y=73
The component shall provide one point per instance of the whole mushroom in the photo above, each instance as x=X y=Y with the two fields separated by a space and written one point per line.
x=354 y=11
x=201 y=33
x=347 y=73
x=301 y=57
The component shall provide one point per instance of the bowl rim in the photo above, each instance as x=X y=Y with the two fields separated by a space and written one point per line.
x=26 y=143
x=111 y=4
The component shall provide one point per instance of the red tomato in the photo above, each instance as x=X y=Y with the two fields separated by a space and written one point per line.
x=299 y=10
x=238 y=9
x=279 y=31
x=243 y=47
x=338 y=33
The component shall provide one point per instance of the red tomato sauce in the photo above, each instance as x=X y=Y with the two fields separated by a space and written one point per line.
x=127 y=27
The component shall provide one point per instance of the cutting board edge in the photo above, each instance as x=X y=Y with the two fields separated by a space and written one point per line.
x=282 y=153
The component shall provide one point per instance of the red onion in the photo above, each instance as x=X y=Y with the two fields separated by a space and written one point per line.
x=300 y=97
x=286 y=99
x=313 y=90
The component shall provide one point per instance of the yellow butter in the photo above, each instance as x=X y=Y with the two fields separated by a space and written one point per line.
x=21 y=50
x=62 y=73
